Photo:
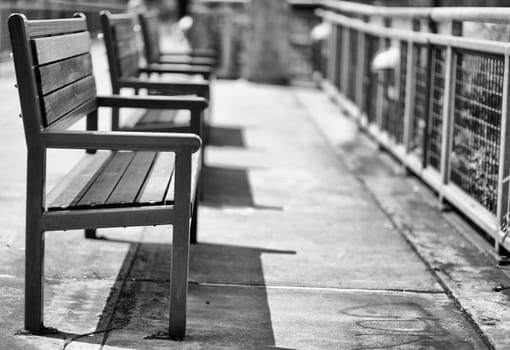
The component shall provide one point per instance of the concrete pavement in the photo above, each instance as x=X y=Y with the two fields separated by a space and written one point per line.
x=310 y=238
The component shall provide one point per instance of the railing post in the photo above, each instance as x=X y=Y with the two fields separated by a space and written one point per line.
x=338 y=56
x=410 y=95
x=410 y=90
x=379 y=113
x=344 y=82
x=362 y=59
x=360 y=74
x=504 y=158
x=448 y=106
x=432 y=28
x=381 y=83
x=330 y=73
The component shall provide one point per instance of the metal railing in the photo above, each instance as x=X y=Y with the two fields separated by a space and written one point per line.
x=442 y=109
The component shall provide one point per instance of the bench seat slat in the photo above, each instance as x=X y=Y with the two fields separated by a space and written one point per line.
x=168 y=116
x=163 y=120
x=56 y=75
x=63 y=195
x=99 y=191
x=117 y=179
x=133 y=179
x=160 y=120
x=156 y=185
x=55 y=48
x=60 y=102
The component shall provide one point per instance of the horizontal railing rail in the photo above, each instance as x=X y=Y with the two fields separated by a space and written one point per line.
x=439 y=103
x=440 y=14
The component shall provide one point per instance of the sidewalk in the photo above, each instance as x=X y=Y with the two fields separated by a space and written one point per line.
x=310 y=238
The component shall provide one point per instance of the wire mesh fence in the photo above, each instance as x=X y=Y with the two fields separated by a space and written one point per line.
x=353 y=64
x=477 y=125
x=446 y=104
x=323 y=57
x=371 y=85
x=392 y=118
x=395 y=94
x=421 y=91
x=435 y=132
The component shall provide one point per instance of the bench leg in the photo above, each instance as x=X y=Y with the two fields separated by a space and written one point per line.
x=194 y=223
x=115 y=119
x=34 y=241
x=179 y=279
x=34 y=274
x=180 y=246
x=91 y=233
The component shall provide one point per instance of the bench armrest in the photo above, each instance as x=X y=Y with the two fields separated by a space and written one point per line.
x=153 y=102
x=176 y=68
x=184 y=88
x=118 y=140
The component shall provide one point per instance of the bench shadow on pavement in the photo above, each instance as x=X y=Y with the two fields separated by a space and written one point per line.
x=222 y=136
x=226 y=285
x=227 y=289
x=229 y=186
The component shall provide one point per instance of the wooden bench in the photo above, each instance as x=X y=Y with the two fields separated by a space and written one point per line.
x=136 y=179
x=149 y=24
x=123 y=53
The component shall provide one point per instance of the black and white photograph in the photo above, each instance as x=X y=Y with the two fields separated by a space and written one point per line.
x=254 y=174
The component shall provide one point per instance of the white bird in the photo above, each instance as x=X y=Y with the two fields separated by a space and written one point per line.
x=185 y=23
x=388 y=58
x=321 y=31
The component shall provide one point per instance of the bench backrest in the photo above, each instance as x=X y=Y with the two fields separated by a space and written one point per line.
x=149 y=22
x=121 y=46
x=53 y=70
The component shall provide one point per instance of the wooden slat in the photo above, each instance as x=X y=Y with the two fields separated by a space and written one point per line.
x=167 y=116
x=133 y=179
x=73 y=116
x=56 y=75
x=123 y=30
x=195 y=169
x=69 y=190
x=57 y=26
x=150 y=31
x=120 y=18
x=126 y=47
x=153 y=32
x=62 y=101
x=56 y=48
x=128 y=66
x=79 y=219
x=105 y=183
x=156 y=185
